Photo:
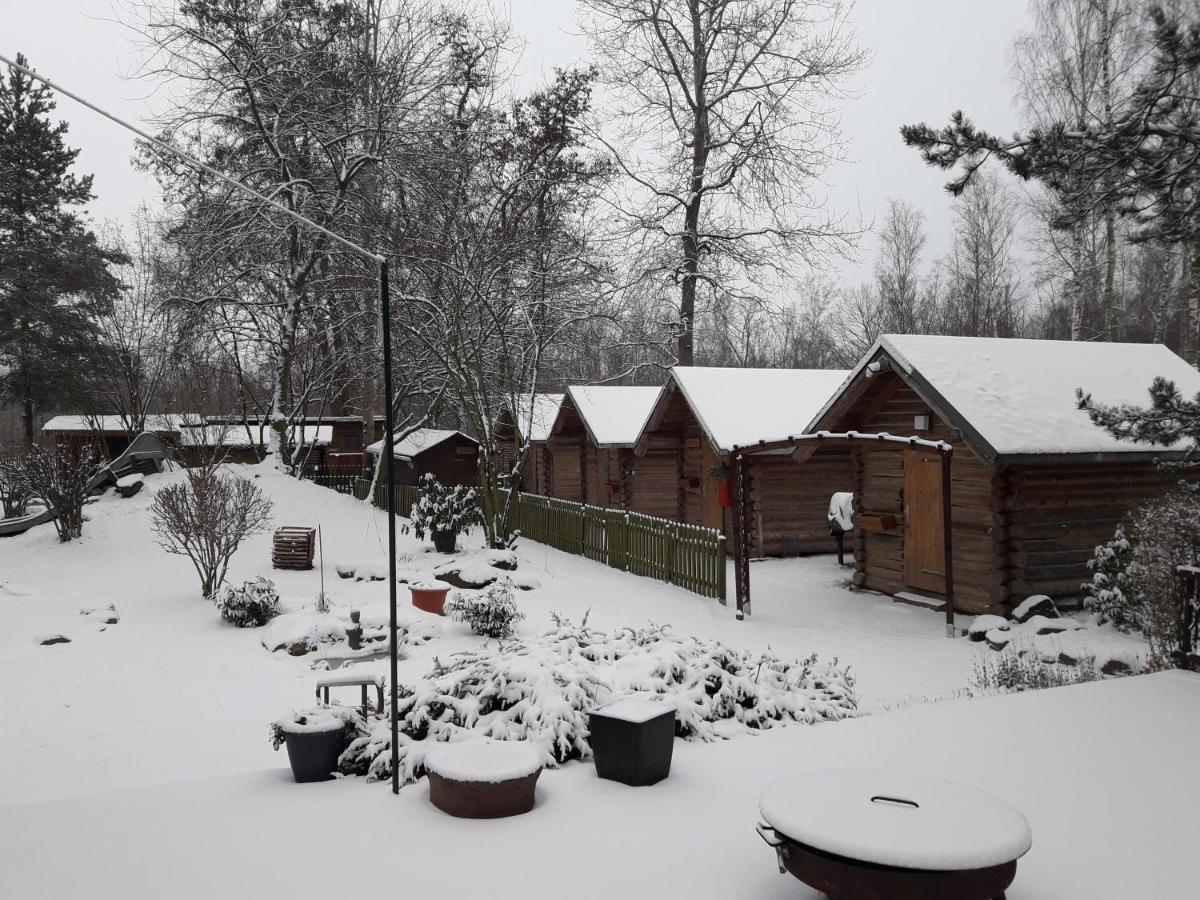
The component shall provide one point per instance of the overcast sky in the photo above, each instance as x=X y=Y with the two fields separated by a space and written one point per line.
x=930 y=57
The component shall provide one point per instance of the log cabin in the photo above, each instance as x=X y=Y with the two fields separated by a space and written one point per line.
x=683 y=454
x=1034 y=485
x=451 y=456
x=526 y=424
x=591 y=443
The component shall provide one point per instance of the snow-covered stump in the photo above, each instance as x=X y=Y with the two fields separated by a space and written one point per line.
x=483 y=779
x=632 y=739
x=864 y=834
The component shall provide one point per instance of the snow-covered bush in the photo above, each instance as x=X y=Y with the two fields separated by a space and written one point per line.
x=1136 y=583
x=1105 y=594
x=14 y=495
x=58 y=476
x=1011 y=671
x=541 y=689
x=319 y=718
x=442 y=509
x=253 y=604
x=493 y=613
x=206 y=517
x=1166 y=536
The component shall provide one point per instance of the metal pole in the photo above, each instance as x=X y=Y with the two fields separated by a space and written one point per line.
x=948 y=541
x=389 y=427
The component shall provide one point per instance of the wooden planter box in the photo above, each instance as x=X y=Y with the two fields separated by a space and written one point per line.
x=632 y=740
x=292 y=548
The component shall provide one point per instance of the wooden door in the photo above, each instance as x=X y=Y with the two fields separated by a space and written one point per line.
x=924 y=545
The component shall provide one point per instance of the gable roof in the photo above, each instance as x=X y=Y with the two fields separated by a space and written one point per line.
x=536 y=414
x=1015 y=398
x=254 y=435
x=113 y=423
x=736 y=407
x=418 y=442
x=613 y=414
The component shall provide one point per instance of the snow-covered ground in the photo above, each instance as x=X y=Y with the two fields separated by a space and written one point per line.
x=140 y=752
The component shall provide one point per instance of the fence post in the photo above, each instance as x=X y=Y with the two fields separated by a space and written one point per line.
x=721 y=570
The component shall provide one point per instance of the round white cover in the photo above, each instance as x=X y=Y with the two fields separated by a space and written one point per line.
x=865 y=814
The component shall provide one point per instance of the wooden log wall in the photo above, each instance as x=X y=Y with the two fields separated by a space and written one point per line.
x=1052 y=515
x=790 y=501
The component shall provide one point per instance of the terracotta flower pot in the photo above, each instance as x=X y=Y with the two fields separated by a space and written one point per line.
x=429 y=598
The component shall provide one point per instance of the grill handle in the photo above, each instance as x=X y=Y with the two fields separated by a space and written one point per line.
x=772 y=839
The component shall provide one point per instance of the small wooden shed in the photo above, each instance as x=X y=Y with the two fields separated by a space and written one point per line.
x=682 y=468
x=109 y=432
x=1034 y=485
x=591 y=443
x=526 y=424
x=451 y=456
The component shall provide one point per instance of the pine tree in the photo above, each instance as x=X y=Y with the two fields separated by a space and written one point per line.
x=1107 y=594
x=53 y=273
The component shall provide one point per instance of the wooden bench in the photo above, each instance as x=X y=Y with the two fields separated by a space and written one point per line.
x=352 y=679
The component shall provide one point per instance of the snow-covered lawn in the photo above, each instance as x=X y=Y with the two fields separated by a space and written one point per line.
x=140 y=749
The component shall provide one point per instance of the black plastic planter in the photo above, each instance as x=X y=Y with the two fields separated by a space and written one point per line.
x=637 y=753
x=445 y=541
x=314 y=754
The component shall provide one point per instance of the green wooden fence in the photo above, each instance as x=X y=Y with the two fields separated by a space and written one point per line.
x=690 y=556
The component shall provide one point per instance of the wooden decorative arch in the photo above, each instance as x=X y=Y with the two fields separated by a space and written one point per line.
x=802 y=446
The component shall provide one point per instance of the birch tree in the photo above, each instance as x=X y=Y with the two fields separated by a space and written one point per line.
x=722 y=121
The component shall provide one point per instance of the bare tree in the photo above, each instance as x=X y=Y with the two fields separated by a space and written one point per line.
x=722 y=123
x=298 y=100
x=58 y=477
x=206 y=517
x=901 y=240
x=983 y=296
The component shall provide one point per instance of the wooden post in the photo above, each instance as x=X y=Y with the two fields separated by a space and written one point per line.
x=741 y=562
x=948 y=539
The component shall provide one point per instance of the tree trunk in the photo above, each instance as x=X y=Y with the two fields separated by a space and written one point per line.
x=691 y=218
x=1110 y=218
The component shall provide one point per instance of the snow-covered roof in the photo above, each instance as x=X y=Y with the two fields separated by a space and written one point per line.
x=737 y=407
x=613 y=415
x=536 y=414
x=256 y=435
x=106 y=423
x=417 y=442
x=1017 y=397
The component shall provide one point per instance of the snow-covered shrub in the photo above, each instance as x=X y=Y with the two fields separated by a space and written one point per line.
x=14 y=495
x=493 y=613
x=1011 y=671
x=1165 y=534
x=319 y=718
x=443 y=509
x=1105 y=594
x=58 y=476
x=206 y=517
x=253 y=604
x=541 y=689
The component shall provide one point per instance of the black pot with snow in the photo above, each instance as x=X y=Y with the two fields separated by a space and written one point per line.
x=315 y=739
x=632 y=739
x=445 y=541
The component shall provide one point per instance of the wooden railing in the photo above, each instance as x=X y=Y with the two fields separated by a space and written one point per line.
x=340 y=478
x=690 y=556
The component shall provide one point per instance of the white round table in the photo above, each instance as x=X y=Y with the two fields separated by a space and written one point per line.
x=847 y=826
